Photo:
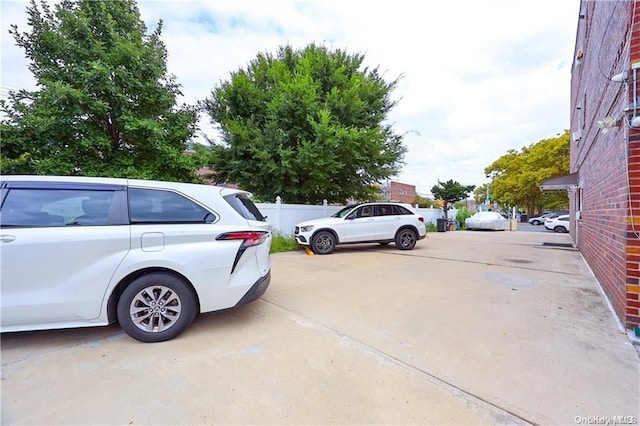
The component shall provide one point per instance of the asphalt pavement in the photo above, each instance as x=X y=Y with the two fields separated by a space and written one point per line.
x=470 y=327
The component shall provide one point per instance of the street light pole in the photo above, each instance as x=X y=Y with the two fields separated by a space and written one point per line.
x=486 y=201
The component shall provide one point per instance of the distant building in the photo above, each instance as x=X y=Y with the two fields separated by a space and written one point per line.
x=400 y=192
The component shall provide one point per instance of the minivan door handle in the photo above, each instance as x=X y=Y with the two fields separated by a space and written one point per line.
x=7 y=238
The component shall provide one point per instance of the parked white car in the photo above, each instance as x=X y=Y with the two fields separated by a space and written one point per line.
x=539 y=220
x=79 y=252
x=558 y=224
x=381 y=223
x=492 y=221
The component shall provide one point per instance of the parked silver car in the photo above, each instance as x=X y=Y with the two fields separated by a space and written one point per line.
x=492 y=221
x=79 y=252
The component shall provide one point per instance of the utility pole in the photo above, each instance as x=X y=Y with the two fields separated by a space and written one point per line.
x=388 y=190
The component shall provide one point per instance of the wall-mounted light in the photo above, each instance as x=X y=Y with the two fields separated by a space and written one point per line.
x=608 y=122
x=620 y=78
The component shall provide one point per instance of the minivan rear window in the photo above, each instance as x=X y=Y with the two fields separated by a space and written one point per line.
x=243 y=205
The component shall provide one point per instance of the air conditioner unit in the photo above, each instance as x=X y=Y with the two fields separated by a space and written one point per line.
x=576 y=135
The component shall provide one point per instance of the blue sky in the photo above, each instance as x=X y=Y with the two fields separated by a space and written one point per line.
x=478 y=77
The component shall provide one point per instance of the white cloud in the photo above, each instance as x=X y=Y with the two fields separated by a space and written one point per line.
x=478 y=77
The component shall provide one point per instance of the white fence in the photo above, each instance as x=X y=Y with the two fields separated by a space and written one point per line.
x=284 y=217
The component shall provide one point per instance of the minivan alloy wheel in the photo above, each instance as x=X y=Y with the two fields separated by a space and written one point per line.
x=156 y=307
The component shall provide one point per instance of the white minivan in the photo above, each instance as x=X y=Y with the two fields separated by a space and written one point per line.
x=80 y=251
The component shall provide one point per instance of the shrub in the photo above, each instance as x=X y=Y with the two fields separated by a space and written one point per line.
x=431 y=227
x=463 y=213
x=281 y=242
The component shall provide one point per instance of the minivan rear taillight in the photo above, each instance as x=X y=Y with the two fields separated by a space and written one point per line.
x=250 y=238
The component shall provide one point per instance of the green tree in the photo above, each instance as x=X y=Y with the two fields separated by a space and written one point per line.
x=422 y=202
x=450 y=192
x=517 y=175
x=462 y=214
x=480 y=194
x=306 y=125
x=104 y=104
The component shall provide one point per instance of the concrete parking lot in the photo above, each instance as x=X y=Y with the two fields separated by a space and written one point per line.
x=468 y=328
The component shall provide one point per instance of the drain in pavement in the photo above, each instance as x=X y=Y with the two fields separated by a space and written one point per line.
x=518 y=260
x=567 y=245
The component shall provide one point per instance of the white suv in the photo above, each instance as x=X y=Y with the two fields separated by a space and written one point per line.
x=558 y=224
x=79 y=252
x=363 y=223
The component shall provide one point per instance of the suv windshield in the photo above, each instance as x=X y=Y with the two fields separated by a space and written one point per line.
x=344 y=211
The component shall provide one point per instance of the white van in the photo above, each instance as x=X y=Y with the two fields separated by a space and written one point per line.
x=79 y=252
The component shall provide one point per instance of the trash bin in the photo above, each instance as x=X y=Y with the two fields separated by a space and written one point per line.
x=524 y=218
x=441 y=225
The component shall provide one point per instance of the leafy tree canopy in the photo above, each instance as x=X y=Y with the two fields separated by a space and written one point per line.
x=451 y=192
x=305 y=125
x=480 y=194
x=104 y=104
x=422 y=202
x=517 y=175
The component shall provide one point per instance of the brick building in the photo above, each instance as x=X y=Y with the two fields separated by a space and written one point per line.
x=604 y=184
x=401 y=192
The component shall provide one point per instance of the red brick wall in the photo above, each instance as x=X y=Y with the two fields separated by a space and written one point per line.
x=403 y=192
x=633 y=219
x=604 y=232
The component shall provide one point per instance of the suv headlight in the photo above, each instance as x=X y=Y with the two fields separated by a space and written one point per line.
x=306 y=228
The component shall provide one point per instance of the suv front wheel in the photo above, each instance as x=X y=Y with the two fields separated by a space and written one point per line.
x=323 y=242
x=406 y=239
x=156 y=307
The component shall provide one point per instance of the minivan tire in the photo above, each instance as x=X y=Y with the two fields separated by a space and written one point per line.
x=156 y=307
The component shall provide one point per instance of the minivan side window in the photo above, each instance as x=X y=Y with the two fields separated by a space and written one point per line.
x=46 y=207
x=243 y=205
x=160 y=206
